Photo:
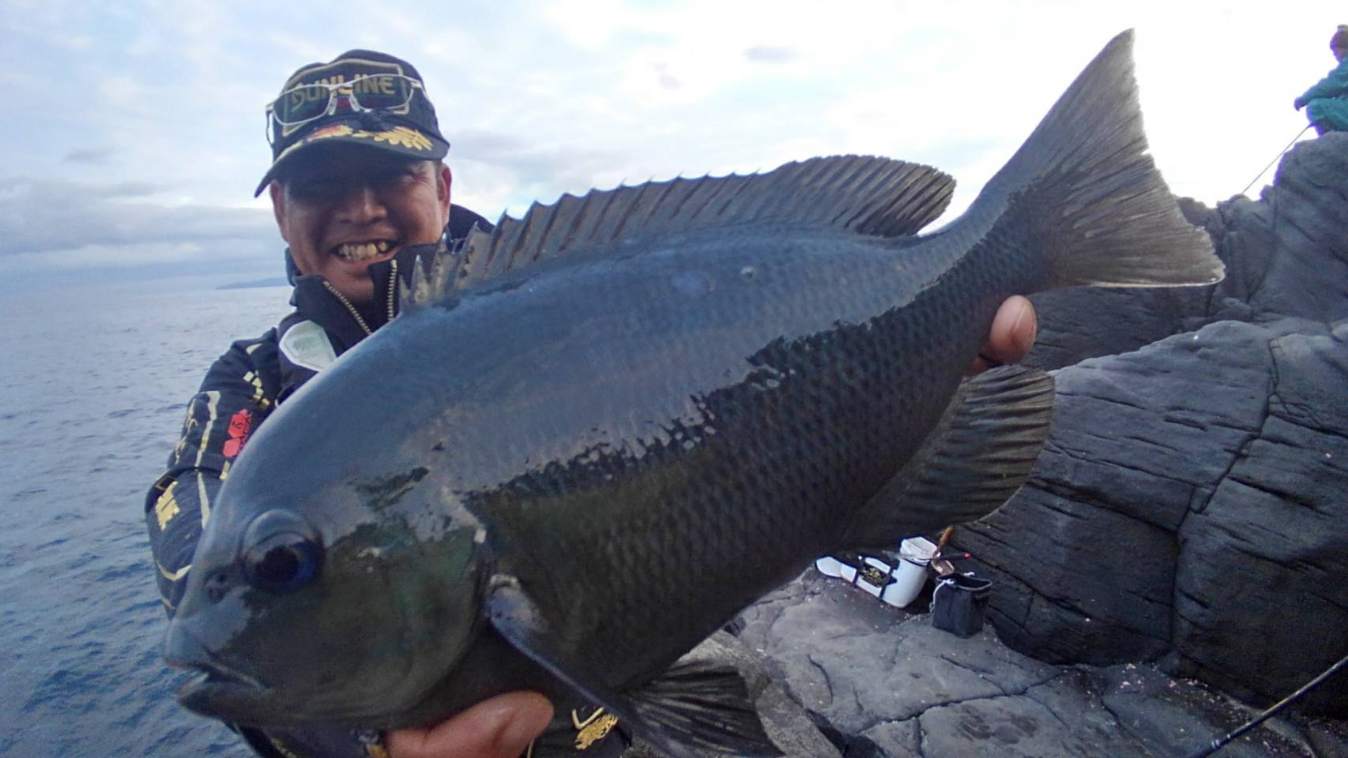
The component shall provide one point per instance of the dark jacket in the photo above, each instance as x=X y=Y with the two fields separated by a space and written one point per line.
x=239 y=392
x=244 y=386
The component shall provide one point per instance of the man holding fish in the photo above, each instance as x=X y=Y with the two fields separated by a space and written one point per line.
x=362 y=198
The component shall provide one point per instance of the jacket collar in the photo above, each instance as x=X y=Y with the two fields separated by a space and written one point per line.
x=345 y=322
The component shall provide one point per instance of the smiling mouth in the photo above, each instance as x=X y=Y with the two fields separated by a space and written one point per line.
x=358 y=252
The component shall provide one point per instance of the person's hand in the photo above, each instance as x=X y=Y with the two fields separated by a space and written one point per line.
x=1298 y=104
x=501 y=727
x=1011 y=337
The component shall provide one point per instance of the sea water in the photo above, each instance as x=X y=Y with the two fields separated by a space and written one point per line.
x=93 y=387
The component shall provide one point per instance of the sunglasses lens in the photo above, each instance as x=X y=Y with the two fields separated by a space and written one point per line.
x=382 y=91
x=301 y=103
x=376 y=92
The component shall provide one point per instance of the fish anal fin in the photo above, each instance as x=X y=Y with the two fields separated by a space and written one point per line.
x=976 y=458
x=705 y=705
x=514 y=616
x=863 y=194
x=693 y=706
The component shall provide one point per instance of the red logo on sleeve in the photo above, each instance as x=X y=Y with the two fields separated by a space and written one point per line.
x=240 y=424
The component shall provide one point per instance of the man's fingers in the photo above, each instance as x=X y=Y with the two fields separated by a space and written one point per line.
x=501 y=727
x=1011 y=336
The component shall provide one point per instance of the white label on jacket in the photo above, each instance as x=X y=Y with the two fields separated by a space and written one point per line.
x=307 y=345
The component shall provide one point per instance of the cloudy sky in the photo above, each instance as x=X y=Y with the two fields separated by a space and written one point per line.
x=134 y=133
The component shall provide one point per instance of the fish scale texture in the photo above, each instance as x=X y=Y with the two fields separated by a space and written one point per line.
x=761 y=450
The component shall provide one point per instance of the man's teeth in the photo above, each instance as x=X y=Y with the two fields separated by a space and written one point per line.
x=359 y=251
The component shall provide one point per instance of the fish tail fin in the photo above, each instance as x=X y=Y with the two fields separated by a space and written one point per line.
x=1083 y=192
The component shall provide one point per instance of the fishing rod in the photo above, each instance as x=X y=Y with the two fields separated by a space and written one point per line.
x=1275 y=159
x=1219 y=743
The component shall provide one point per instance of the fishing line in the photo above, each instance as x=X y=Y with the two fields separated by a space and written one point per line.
x=1275 y=159
x=1217 y=744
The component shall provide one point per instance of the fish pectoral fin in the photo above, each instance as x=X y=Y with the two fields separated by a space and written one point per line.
x=691 y=706
x=515 y=616
x=980 y=453
x=705 y=705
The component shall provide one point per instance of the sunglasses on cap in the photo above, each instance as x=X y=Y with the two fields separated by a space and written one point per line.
x=306 y=102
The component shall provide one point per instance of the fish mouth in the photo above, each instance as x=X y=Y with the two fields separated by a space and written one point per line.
x=206 y=674
x=214 y=690
x=365 y=251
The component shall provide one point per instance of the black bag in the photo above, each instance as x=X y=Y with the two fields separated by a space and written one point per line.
x=958 y=604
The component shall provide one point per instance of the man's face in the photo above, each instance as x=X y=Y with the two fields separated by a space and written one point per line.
x=1339 y=53
x=343 y=208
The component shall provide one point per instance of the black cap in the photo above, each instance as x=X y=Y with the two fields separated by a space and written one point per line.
x=410 y=130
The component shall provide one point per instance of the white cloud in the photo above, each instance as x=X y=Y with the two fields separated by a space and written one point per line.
x=102 y=256
x=117 y=224
x=541 y=99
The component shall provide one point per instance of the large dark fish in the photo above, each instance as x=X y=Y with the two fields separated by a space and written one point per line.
x=603 y=430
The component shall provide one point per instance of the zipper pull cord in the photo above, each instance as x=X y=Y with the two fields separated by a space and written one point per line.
x=393 y=290
x=349 y=308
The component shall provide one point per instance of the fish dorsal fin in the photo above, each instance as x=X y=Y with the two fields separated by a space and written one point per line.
x=864 y=194
x=431 y=277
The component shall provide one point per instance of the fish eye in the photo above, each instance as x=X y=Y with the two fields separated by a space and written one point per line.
x=280 y=555
x=282 y=563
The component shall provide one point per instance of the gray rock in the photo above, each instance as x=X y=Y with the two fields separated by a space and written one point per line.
x=1008 y=726
x=901 y=739
x=1261 y=602
x=1188 y=506
x=858 y=663
x=1328 y=738
x=976 y=697
x=1188 y=501
x=1168 y=717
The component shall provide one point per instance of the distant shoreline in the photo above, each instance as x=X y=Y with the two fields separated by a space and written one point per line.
x=271 y=281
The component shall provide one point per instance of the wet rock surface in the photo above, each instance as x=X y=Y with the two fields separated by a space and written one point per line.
x=885 y=682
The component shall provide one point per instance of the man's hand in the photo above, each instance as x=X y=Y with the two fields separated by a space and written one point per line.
x=501 y=727
x=1298 y=104
x=1011 y=337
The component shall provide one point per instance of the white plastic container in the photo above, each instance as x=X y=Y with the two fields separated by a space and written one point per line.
x=914 y=555
x=896 y=585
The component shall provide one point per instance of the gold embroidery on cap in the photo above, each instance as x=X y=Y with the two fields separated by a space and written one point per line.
x=400 y=135
x=336 y=130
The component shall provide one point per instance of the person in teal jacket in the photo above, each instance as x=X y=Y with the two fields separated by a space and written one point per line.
x=1326 y=102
